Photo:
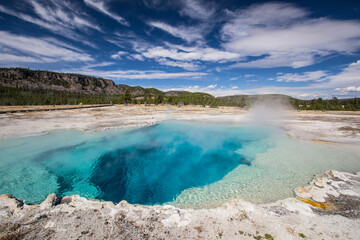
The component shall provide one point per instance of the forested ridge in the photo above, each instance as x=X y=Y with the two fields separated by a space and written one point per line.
x=20 y=86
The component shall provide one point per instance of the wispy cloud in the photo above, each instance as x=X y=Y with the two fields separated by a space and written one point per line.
x=201 y=10
x=59 y=17
x=61 y=13
x=186 y=56
x=97 y=65
x=137 y=57
x=127 y=40
x=315 y=76
x=213 y=86
x=195 y=88
x=11 y=58
x=20 y=48
x=189 y=34
x=192 y=66
x=100 y=7
x=283 y=35
x=349 y=89
x=119 y=55
x=249 y=75
x=136 y=74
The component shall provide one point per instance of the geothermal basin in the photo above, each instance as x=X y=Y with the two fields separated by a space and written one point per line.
x=184 y=162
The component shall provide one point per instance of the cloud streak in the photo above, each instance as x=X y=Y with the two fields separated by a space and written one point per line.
x=137 y=74
x=185 y=57
x=100 y=7
x=189 y=34
x=197 y=9
x=20 y=48
x=59 y=17
x=315 y=76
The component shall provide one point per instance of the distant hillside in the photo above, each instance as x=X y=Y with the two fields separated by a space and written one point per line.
x=248 y=100
x=66 y=82
x=20 y=86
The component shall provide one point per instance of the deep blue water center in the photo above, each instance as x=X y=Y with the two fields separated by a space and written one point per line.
x=150 y=165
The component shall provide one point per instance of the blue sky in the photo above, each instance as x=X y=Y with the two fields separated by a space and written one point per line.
x=305 y=49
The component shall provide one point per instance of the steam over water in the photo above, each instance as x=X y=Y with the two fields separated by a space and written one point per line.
x=179 y=163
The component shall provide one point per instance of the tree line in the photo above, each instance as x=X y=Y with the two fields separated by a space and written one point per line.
x=333 y=104
x=16 y=96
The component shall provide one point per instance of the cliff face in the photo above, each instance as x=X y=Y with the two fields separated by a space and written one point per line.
x=28 y=79
x=75 y=83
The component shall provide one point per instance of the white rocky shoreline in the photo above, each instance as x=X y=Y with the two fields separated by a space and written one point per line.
x=329 y=208
x=334 y=215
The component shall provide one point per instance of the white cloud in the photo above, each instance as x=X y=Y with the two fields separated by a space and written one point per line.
x=59 y=17
x=190 y=54
x=315 y=76
x=11 y=58
x=211 y=86
x=282 y=35
x=186 y=57
x=138 y=57
x=100 y=7
x=249 y=75
x=234 y=87
x=197 y=9
x=119 y=55
x=61 y=13
x=194 y=87
x=258 y=16
x=278 y=60
x=349 y=89
x=186 y=65
x=136 y=74
x=189 y=34
x=245 y=76
x=96 y=65
x=29 y=49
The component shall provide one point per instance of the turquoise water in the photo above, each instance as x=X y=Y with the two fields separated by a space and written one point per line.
x=150 y=165
x=178 y=163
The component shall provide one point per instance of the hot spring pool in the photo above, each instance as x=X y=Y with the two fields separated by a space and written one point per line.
x=178 y=163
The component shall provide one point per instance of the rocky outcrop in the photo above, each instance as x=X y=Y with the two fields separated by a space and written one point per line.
x=45 y=80
x=75 y=83
x=75 y=217
x=28 y=79
x=333 y=193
